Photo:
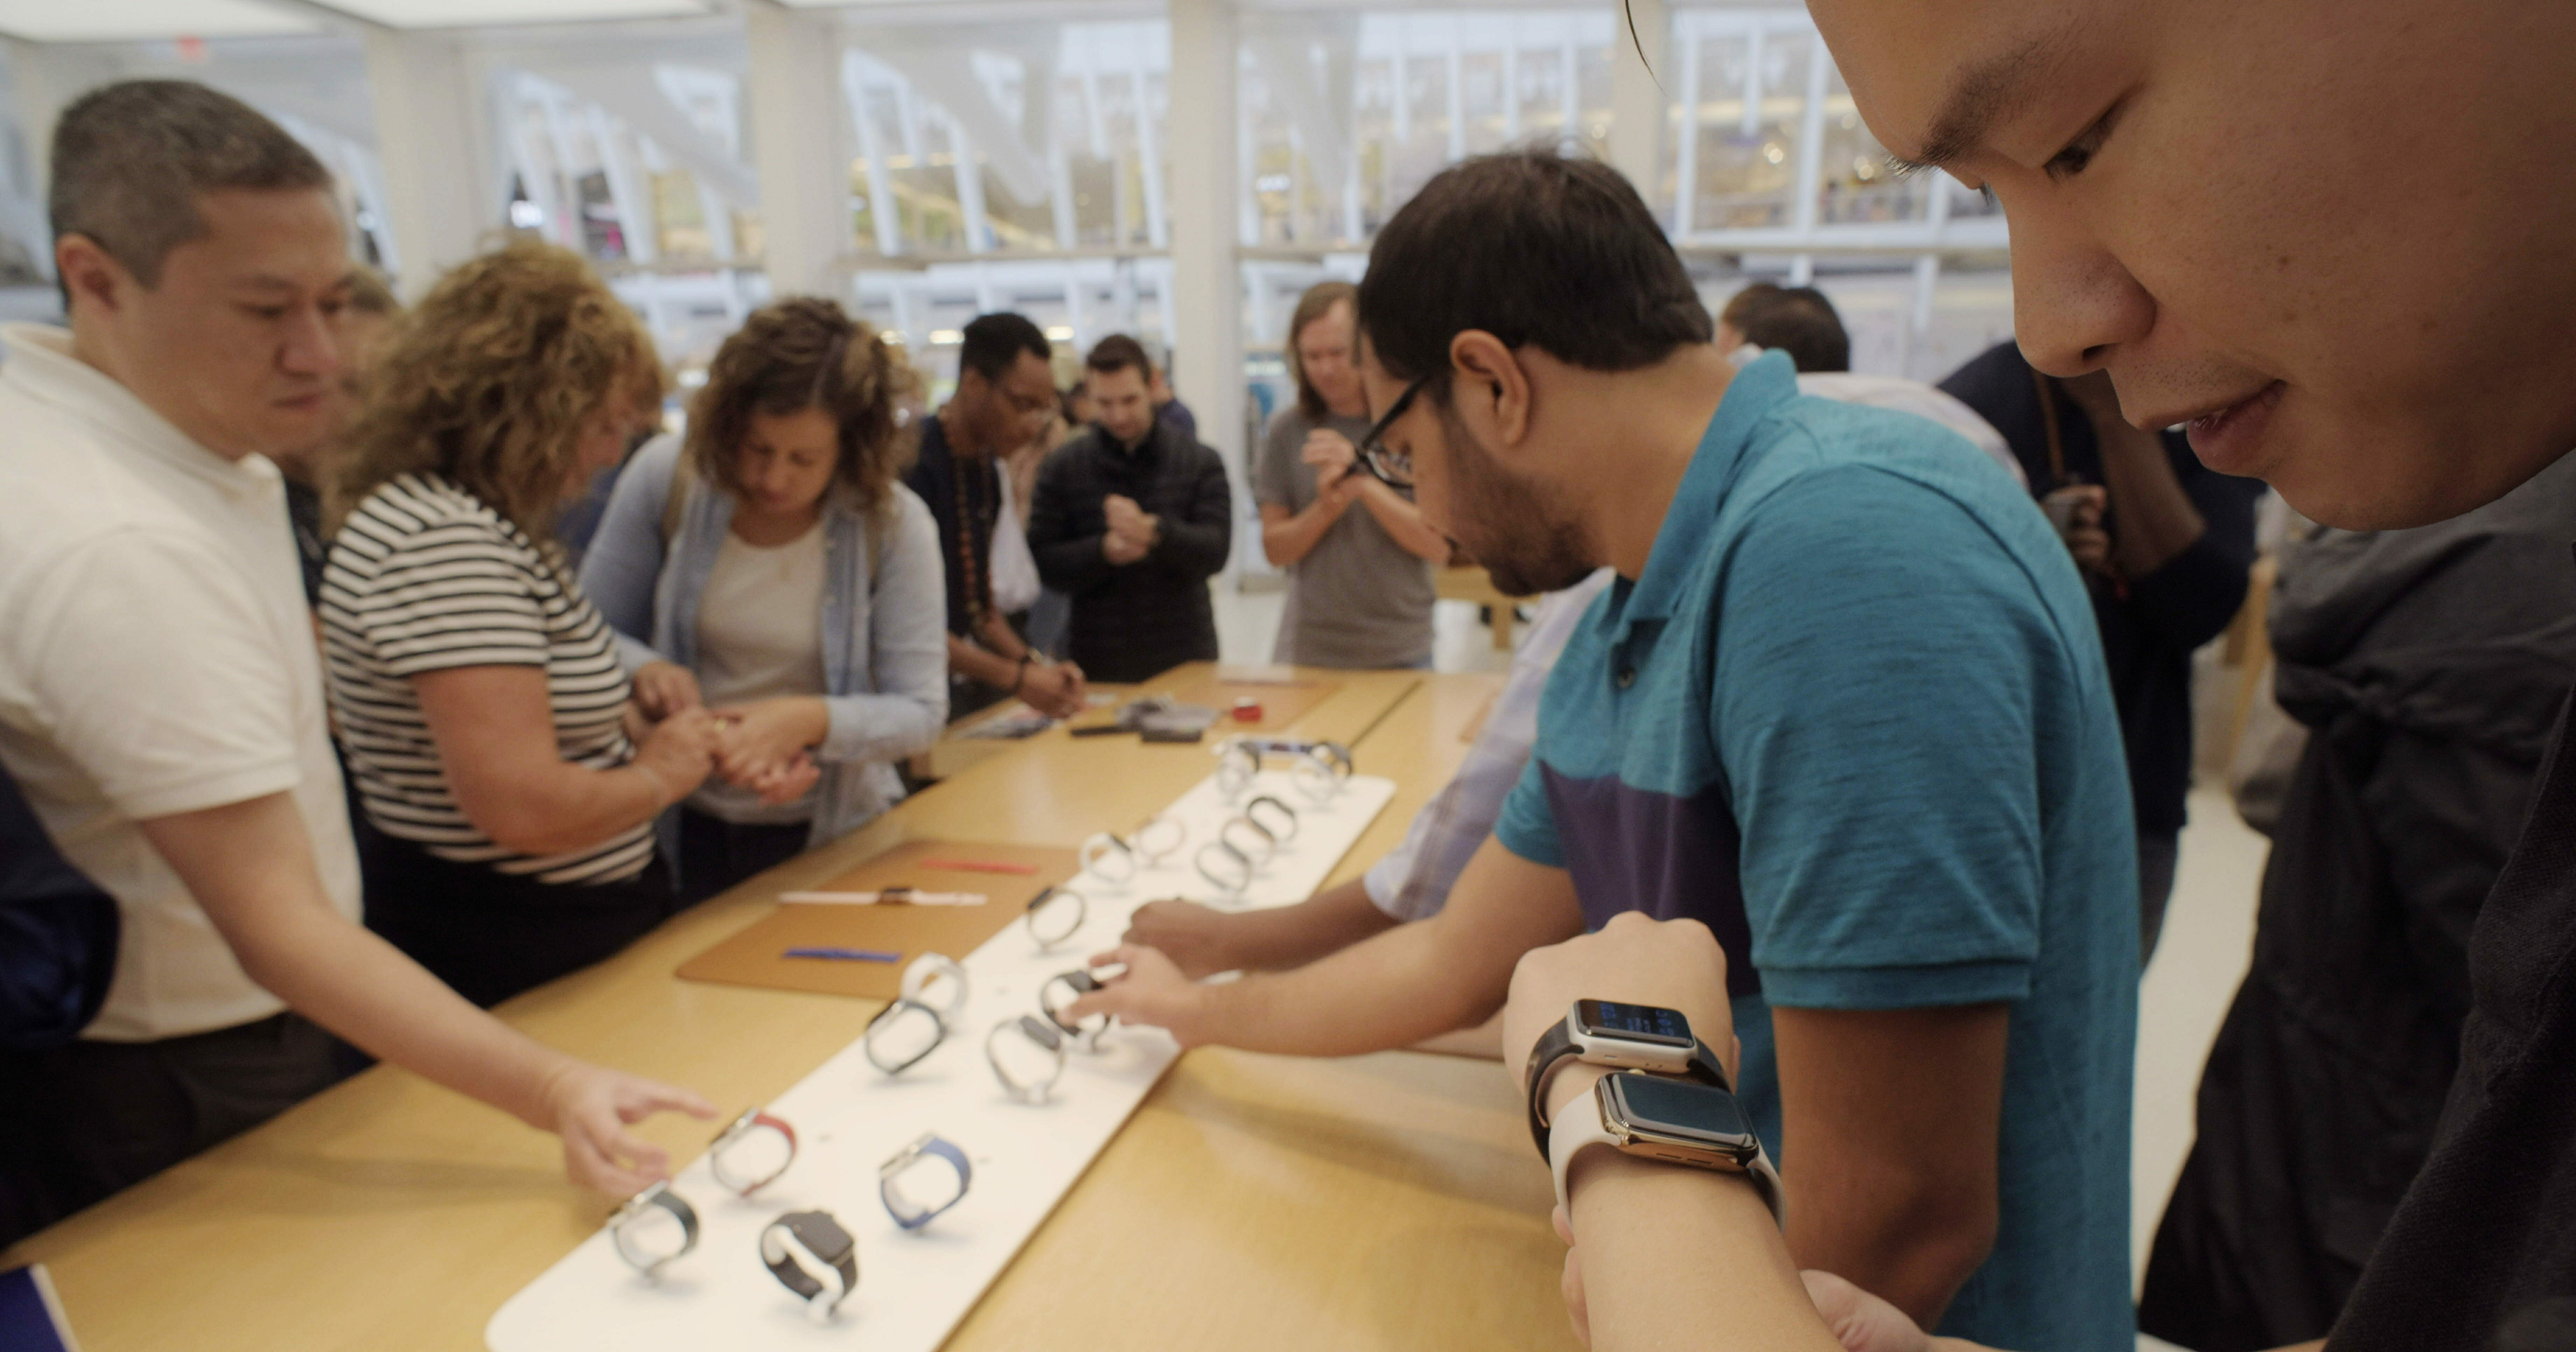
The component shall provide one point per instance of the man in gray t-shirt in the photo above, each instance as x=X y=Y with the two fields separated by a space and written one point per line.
x=1358 y=554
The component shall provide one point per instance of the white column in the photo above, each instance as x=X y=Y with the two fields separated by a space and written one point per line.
x=429 y=138
x=1636 y=103
x=883 y=211
x=1686 y=158
x=798 y=146
x=1205 y=293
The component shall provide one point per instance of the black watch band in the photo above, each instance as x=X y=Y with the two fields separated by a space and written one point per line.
x=1557 y=1045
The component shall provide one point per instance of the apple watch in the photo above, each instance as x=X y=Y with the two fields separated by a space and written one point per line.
x=810 y=1254
x=1106 y=857
x=1282 y=819
x=901 y=1034
x=1229 y=869
x=1319 y=773
x=923 y=1179
x=654 y=1227
x=753 y=1152
x=938 y=982
x=1622 y=1036
x=1055 y=915
x=1027 y=1056
x=1671 y=1121
x=1238 y=763
x=1158 y=838
x=1249 y=838
x=1059 y=993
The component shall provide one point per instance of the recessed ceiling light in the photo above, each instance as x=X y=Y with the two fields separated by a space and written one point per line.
x=462 y=13
x=146 y=20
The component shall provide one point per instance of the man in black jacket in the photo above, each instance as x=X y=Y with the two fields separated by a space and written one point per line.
x=1131 y=519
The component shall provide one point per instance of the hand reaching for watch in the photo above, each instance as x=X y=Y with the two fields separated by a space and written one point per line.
x=665 y=688
x=1153 y=991
x=1194 y=937
x=590 y=1107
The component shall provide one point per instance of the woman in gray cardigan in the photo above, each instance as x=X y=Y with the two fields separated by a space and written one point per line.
x=774 y=568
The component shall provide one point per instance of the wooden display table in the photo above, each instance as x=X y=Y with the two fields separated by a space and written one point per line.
x=1386 y=1201
x=1470 y=582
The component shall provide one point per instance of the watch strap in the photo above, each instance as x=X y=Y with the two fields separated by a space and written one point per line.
x=658 y=1195
x=1556 y=1046
x=937 y=1147
x=1582 y=1128
x=816 y=1235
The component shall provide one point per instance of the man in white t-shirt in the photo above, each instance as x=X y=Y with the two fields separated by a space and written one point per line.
x=160 y=694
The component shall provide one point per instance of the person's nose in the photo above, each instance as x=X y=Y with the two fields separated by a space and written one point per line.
x=310 y=349
x=2074 y=302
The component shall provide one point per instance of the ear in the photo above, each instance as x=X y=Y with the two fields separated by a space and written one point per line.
x=90 y=275
x=1489 y=388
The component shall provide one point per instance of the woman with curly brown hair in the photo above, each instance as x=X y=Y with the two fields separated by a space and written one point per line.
x=772 y=567
x=507 y=834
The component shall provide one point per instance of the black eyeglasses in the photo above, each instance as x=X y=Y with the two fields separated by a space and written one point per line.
x=1388 y=466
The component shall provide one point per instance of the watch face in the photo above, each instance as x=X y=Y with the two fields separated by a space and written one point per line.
x=1633 y=1023
x=1679 y=1108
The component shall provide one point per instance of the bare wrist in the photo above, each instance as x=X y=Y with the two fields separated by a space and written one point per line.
x=662 y=794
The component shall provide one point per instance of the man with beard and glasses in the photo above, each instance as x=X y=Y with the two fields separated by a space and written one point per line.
x=1844 y=706
x=2311 y=232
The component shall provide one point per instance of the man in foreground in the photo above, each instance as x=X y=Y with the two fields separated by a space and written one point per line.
x=2240 y=282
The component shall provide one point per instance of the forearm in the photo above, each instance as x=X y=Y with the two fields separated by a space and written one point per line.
x=975 y=663
x=1073 y=564
x=1289 y=538
x=558 y=806
x=2156 y=519
x=1404 y=522
x=250 y=865
x=1650 y=1236
x=1393 y=990
x=1276 y=939
x=1190 y=548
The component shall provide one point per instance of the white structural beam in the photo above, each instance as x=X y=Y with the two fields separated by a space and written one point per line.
x=1686 y=157
x=429 y=139
x=798 y=147
x=1205 y=290
x=1637 y=102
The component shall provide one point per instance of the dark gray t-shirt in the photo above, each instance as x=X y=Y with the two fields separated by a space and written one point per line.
x=1358 y=599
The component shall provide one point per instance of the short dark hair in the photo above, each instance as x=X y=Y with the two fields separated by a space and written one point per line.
x=1118 y=352
x=1533 y=247
x=130 y=159
x=995 y=341
x=1798 y=320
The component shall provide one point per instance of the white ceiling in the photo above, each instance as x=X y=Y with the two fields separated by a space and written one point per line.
x=145 y=20
x=475 y=13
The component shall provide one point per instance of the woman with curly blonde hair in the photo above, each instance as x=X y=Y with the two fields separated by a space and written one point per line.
x=773 y=567
x=507 y=826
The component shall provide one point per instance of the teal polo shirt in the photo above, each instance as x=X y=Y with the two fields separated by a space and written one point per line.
x=1853 y=715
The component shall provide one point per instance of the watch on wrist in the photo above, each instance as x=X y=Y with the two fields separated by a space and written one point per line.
x=902 y=1034
x=937 y=982
x=1027 y=1056
x=1056 y=915
x=923 y=1179
x=654 y=1227
x=753 y=1152
x=810 y=1254
x=1621 y=1036
x=1670 y=1121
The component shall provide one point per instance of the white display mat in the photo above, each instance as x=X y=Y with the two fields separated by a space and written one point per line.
x=849 y=1117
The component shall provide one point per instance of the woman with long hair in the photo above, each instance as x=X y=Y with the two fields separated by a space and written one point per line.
x=772 y=567
x=508 y=806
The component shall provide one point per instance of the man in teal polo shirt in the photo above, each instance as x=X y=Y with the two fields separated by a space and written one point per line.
x=1845 y=707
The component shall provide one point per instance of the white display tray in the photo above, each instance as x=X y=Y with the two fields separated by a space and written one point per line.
x=914 y=1288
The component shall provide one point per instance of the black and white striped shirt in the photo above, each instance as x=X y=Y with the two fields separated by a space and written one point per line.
x=425 y=577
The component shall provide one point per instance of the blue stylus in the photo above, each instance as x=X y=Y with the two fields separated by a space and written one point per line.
x=846 y=954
